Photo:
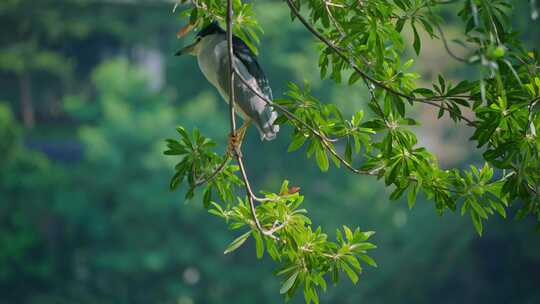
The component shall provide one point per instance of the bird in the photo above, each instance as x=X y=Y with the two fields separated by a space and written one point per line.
x=210 y=48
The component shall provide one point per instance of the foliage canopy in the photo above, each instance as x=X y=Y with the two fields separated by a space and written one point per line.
x=361 y=44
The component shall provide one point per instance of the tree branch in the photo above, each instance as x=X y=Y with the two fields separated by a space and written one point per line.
x=231 y=70
x=364 y=75
x=327 y=144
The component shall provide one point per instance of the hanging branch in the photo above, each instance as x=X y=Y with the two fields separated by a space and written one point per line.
x=239 y=158
x=328 y=145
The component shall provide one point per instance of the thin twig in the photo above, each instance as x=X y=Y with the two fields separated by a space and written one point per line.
x=445 y=42
x=219 y=169
x=447 y=47
x=237 y=151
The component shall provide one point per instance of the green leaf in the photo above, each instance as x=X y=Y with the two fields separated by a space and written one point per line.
x=193 y=16
x=417 y=44
x=399 y=105
x=217 y=210
x=350 y=272
x=357 y=117
x=297 y=142
x=322 y=159
x=411 y=196
x=184 y=135
x=289 y=283
x=284 y=187
x=399 y=24
x=237 y=242
x=364 y=246
x=207 y=197
x=477 y=223
x=370 y=261
x=478 y=209
x=442 y=83
x=499 y=208
x=424 y=92
x=348 y=151
x=354 y=78
x=175 y=180
x=460 y=88
x=441 y=111
x=353 y=261
x=259 y=245
x=464 y=207
x=348 y=233
x=335 y=274
x=286 y=270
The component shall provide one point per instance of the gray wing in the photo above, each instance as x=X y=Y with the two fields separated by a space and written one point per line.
x=250 y=105
x=248 y=58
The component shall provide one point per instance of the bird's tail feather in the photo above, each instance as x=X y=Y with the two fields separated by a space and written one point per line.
x=268 y=129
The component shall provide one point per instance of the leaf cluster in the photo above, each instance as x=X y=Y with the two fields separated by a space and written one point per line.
x=304 y=254
x=361 y=44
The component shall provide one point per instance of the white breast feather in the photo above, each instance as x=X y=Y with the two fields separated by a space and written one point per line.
x=212 y=50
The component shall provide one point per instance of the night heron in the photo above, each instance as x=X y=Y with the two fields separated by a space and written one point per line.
x=210 y=47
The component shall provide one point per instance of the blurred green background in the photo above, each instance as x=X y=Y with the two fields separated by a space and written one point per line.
x=89 y=90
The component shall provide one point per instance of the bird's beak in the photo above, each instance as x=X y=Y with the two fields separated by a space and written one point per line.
x=190 y=49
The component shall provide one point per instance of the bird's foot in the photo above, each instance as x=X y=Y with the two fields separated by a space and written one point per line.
x=235 y=142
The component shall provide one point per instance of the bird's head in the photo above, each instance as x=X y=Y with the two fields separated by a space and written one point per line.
x=207 y=31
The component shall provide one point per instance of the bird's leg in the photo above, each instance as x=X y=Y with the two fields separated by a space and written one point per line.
x=242 y=132
x=235 y=139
